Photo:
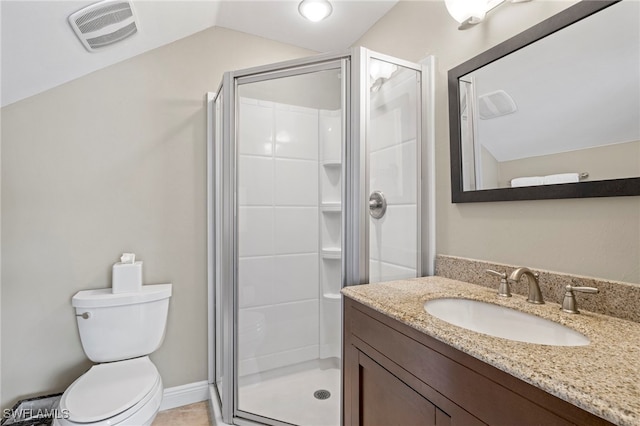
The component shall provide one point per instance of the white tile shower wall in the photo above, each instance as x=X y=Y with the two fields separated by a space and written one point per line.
x=278 y=235
x=382 y=271
x=270 y=280
x=393 y=112
x=257 y=137
x=296 y=132
x=296 y=230
x=277 y=335
x=385 y=128
x=330 y=136
x=256 y=188
x=255 y=231
x=288 y=326
x=294 y=179
x=393 y=170
x=393 y=238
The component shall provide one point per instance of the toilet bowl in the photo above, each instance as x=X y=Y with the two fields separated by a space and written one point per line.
x=118 y=331
x=118 y=393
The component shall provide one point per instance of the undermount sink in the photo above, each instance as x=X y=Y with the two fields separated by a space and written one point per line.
x=506 y=323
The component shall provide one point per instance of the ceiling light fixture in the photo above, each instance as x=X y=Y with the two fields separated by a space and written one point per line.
x=315 y=10
x=471 y=12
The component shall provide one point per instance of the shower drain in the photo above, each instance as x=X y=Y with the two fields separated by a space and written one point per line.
x=322 y=394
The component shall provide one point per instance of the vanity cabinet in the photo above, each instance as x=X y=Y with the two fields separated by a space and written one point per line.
x=396 y=375
x=385 y=400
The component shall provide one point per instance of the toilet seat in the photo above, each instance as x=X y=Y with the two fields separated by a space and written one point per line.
x=141 y=414
x=108 y=390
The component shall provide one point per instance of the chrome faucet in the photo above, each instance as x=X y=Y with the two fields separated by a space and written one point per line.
x=535 y=296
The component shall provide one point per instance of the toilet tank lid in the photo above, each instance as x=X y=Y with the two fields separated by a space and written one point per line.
x=104 y=297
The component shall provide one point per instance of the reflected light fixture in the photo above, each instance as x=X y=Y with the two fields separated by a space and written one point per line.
x=379 y=72
x=471 y=12
x=380 y=69
x=315 y=10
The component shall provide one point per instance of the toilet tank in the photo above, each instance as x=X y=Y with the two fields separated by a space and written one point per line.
x=115 y=327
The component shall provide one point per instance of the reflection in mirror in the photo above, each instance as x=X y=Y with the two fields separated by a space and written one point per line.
x=563 y=109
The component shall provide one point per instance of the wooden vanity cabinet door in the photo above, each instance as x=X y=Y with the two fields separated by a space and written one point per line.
x=378 y=392
x=385 y=400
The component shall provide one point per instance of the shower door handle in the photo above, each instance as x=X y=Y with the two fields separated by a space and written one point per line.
x=377 y=204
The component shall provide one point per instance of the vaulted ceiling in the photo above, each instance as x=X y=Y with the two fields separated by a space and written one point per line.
x=40 y=51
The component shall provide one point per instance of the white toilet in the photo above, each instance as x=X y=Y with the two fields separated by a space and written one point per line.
x=118 y=331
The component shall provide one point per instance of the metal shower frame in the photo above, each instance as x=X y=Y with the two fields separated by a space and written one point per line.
x=222 y=202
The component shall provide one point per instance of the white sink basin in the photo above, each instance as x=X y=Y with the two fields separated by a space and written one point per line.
x=506 y=323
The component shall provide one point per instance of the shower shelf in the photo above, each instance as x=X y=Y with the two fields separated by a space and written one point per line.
x=331 y=253
x=331 y=163
x=332 y=296
x=334 y=207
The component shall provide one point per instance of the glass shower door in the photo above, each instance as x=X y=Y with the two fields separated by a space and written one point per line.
x=394 y=173
x=289 y=151
x=299 y=148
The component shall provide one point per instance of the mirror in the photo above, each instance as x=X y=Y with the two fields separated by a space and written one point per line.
x=553 y=112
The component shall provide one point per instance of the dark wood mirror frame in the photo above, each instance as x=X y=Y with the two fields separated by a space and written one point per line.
x=602 y=188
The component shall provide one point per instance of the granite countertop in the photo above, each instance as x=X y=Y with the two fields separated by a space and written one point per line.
x=602 y=378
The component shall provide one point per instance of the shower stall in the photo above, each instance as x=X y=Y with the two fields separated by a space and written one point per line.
x=320 y=176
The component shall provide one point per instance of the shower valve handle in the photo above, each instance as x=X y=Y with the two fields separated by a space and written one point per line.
x=377 y=204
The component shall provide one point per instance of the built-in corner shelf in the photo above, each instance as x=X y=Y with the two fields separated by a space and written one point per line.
x=332 y=296
x=331 y=253
x=331 y=207
x=330 y=180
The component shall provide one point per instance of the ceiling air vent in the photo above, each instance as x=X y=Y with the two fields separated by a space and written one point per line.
x=104 y=23
x=496 y=104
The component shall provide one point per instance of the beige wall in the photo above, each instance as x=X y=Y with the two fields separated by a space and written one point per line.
x=0 y=253
x=593 y=237
x=111 y=162
x=614 y=161
x=489 y=169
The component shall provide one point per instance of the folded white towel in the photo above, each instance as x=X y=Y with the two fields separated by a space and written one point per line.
x=561 y=178
x=527 y=181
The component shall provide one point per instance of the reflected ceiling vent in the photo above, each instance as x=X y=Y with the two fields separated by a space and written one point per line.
x=495 y=104
x=104 y=23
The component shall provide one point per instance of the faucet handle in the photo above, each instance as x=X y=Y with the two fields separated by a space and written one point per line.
x=502 y=275
x=569 y=301
x=504 y=289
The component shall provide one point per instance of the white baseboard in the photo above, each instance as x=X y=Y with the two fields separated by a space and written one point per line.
x=190 y=393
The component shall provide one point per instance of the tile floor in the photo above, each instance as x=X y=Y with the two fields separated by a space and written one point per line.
x=190 y=415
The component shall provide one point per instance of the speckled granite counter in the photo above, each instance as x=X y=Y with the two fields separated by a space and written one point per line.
x=602 y=378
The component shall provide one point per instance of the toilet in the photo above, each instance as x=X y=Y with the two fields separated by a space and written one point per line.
x=118 y=331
